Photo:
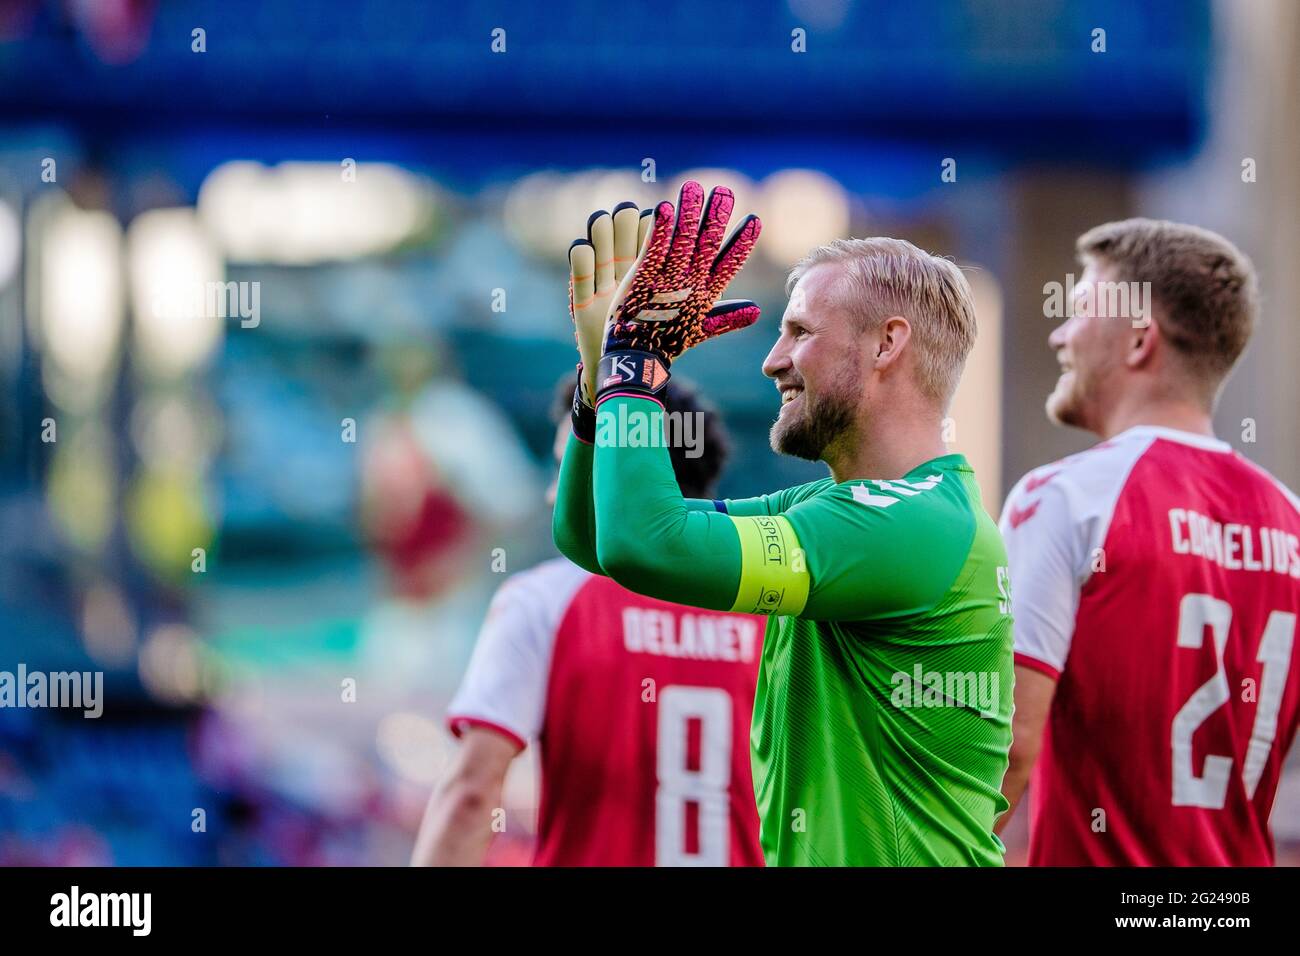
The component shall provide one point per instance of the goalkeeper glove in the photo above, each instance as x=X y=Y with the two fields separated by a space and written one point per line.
x=668 y=302
x=597 y=265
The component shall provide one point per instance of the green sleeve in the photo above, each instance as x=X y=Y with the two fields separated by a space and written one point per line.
x=701 y=504
x=851 y=551
x=573 y=524
x=776 y=503
x=762 y=505
x=647 y=538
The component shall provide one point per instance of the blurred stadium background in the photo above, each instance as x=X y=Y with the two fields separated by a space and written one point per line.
x=393 y=199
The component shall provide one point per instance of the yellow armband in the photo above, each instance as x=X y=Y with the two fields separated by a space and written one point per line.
x=773 y=570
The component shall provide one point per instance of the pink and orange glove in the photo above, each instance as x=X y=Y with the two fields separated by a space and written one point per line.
x=669 y=300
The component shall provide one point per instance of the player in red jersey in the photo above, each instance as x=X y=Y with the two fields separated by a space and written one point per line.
x=1155 y=578
x=641 y=709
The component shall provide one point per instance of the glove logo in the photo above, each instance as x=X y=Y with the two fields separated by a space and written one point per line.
x=653 y=374
x=622 y=369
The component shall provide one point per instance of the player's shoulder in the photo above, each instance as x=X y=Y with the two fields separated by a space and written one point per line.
x=925 y=505
x=550 y=585
x=1267 y=481
x=935 y=486
x=796 y=494
x=1084 y=481
x=1208 y=460
x=1087 y=485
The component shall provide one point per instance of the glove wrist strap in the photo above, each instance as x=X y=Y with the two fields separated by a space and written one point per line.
x=631 y=372
x=582 y=415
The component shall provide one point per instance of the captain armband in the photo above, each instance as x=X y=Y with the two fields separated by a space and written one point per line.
x=773 y=567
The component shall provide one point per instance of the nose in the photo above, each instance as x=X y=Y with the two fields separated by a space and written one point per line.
x=777 y=360
x=1057 y=339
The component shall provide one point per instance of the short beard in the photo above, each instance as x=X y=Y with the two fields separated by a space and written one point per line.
x=821 y=423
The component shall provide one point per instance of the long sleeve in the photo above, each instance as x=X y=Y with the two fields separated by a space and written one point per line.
x=573 y=525
x=851 y=551
x=648 y=537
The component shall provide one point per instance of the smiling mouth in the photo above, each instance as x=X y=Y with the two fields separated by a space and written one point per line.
x=789 y=394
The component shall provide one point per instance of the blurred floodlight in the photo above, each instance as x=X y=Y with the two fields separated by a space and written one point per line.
x=167 y=517
x=546 y=211
x=108 y=625
x=80 y=289
x=174 y=431
x=178 y=299
x=171 y=664
x=528 y=214
x=581 y=194
x=80 y=486
x=11 y=241
x=609 y=187
x=299 y=213
x=800 y=208
x=413 y=745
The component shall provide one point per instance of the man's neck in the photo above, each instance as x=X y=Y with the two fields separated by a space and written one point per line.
x=886 y=452
x=1178 y=414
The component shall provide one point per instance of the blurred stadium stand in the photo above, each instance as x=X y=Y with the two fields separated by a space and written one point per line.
x=224 y=686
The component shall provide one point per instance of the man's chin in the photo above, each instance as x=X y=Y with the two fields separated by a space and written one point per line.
x=806 y=428
x=779 y=437
x=796 y=439
x=1063 y=410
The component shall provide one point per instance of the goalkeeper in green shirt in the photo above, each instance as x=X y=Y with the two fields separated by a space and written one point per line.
x=882 y=720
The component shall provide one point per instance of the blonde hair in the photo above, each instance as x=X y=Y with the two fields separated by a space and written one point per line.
x=885 y=277
x=1205 y=285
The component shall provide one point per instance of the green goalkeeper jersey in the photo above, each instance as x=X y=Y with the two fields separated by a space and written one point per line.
x=881 y=730
x=882 y=721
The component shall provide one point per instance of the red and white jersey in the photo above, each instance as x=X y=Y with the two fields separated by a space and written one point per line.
x=642 y=711
x=1156 y=576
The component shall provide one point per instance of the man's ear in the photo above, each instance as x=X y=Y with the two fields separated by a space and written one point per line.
x=1145 y=339
x=895 y=333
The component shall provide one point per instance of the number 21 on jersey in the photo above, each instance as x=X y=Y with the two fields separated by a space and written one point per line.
x=1210 y=789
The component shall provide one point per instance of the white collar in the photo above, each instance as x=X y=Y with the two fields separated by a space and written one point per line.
x=1208 y=442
